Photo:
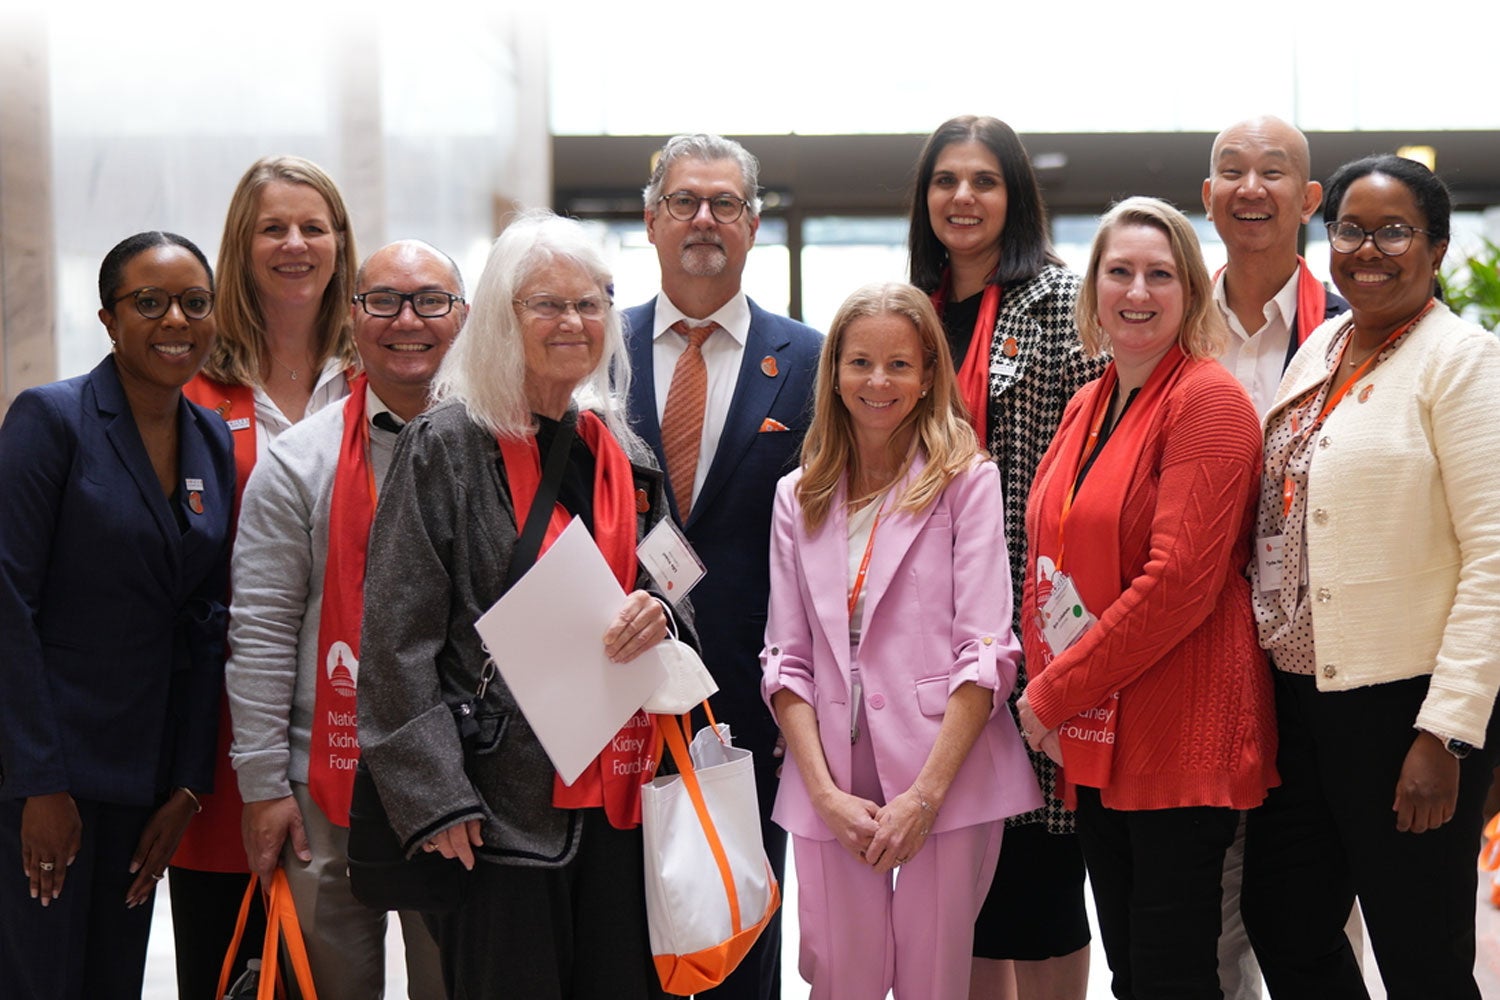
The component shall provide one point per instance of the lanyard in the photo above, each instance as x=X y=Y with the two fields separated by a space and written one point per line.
x=1288 y=487
x=1089 y=447
x=864 y=566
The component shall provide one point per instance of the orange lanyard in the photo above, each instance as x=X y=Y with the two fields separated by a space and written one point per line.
x=864 y=566
x=1089 y=447
x=1288 y=487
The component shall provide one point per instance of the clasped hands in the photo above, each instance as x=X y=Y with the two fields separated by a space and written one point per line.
x=883 y=837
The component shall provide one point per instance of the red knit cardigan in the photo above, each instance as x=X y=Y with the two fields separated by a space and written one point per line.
x=1196 y=724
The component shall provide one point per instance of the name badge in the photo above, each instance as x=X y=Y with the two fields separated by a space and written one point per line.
x=1268 y=555
x=239 y=424
x=1065 y=618
x=1005 y=368
x=670 y=560
x=194 y=484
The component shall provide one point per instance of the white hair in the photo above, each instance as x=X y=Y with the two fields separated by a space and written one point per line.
x=485 y=369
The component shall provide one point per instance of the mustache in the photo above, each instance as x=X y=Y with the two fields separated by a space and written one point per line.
x=708 y=239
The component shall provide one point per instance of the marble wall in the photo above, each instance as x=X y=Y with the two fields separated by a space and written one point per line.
x=432 y=127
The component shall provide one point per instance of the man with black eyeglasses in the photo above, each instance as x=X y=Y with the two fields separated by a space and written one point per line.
x=297 y=610
x=1259 y=193
x=722 y=392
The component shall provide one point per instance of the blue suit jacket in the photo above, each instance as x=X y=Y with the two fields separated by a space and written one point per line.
x=730 y=525
x=111 y=615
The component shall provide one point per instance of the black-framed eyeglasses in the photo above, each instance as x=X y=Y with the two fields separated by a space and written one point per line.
x=683 y=206
x=428 y=305
x=153 y=303
x=1393 y=240
x=553 y=306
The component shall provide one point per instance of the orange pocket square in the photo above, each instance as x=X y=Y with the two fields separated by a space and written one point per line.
x=769 y=424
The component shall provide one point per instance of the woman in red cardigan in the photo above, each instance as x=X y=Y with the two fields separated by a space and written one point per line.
x=1155 y=697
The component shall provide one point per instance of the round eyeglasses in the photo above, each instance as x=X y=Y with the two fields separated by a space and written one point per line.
x=153 y=303
x=1393 y=240
x=553 y=306
x=683 y=206
x=428 y=305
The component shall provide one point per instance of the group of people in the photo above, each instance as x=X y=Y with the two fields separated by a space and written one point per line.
x=1187 y=582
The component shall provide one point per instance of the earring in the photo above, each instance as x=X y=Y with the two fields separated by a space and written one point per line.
x=924 y=393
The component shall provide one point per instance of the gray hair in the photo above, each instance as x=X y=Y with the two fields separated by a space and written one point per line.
x=708 y=148
x=485 y=369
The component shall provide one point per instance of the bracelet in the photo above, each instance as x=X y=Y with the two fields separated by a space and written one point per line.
x=197 y=803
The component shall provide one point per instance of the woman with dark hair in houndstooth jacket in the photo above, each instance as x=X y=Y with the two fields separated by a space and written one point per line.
x=979 y=245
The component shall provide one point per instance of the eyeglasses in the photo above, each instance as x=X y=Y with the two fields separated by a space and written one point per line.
x=551 y=306
x=1393 y=240
x=153 y=303
x=428 y=305
x=683 y=206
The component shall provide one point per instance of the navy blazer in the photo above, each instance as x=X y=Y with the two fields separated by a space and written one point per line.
x=111 y=614
x=730 y=524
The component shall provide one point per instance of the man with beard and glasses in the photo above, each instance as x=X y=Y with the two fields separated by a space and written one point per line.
x=722 y=391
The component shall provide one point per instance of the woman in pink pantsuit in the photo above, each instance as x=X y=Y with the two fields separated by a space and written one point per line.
x=888 y=660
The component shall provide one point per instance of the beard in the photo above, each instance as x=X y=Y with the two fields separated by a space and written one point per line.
x=704 y=259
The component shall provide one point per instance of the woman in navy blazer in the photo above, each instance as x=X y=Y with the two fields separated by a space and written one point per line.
x=115 y=497
x=889 y=656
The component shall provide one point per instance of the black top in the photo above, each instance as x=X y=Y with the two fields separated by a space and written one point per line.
x=576 y=492
x=958 y=323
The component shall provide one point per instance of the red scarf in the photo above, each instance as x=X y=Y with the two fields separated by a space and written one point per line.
x=974 y=373
x=335 y=739
x=1090 y=533
x=614 y=778
x=236 y=404
x=1312 y=300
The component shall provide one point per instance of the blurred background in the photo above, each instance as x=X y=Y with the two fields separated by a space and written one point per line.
x=438 y=119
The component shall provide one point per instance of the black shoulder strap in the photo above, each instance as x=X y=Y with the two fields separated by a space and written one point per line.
x=530 y=542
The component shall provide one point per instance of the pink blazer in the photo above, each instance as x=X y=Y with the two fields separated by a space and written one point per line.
x=937 y=613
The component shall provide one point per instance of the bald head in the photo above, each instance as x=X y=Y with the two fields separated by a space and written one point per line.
x=407 y=255
x=1269 y=135
x=1259 y=195
x=402 y=350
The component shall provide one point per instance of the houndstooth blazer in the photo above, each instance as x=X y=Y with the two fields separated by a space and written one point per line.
x=1036 y=365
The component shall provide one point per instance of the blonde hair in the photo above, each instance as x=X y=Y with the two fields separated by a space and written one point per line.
x=485 y=369
x=940 y=422
x=236 y=356
x=1203 y=333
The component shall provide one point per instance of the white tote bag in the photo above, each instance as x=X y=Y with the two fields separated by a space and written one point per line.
x=709 y=888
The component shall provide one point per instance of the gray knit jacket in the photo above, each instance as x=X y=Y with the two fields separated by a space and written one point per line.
x=439 y=551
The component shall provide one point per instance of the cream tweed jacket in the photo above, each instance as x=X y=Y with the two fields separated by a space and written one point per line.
x=1403 y=522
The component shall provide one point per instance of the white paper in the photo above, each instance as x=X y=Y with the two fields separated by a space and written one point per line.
x=546 y=636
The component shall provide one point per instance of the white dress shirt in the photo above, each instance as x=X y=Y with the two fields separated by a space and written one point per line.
x=722 y=353
x=330 y=387
x=1256 y=360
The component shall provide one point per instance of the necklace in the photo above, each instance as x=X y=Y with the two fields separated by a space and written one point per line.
x=289 y=369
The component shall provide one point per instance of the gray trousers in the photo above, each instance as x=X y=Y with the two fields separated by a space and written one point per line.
x=345 y=938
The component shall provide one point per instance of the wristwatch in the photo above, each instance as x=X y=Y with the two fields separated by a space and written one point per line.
x=1458 y=748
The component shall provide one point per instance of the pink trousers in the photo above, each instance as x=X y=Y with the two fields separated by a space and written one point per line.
x=863 y=934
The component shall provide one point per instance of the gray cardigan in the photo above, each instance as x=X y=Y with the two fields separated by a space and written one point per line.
x=439 y=551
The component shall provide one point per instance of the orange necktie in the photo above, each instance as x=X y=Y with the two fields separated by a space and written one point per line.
x=682 y=419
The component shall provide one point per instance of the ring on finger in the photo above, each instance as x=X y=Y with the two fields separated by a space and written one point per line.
x=156 y=876
x=46 y=866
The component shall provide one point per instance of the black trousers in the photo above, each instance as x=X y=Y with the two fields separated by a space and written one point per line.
x=85 y=944
x=1328 y=834
x=1157 y=876
x=205 y=906
x=572 y=933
